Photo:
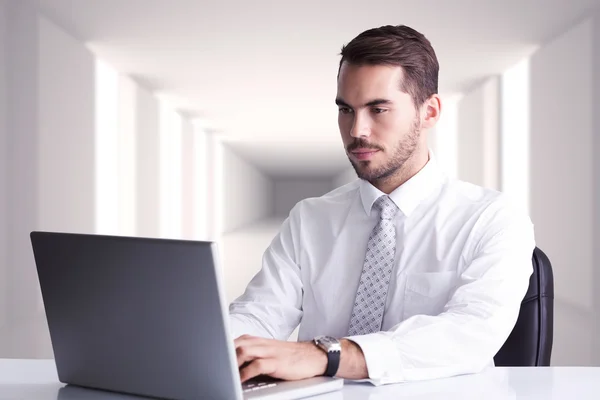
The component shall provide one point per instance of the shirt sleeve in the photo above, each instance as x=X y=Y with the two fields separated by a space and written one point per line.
x=478 y=318
x=271 y=306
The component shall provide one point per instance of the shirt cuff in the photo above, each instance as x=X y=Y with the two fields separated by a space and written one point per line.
x=381 y=357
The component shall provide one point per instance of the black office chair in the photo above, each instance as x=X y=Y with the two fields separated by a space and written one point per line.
x=530 y=342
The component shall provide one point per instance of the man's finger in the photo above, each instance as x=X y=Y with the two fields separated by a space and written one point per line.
x=247 y=339
x=261 y=366
x=247 y=353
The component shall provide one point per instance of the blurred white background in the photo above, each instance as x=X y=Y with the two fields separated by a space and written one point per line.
x=209 y=120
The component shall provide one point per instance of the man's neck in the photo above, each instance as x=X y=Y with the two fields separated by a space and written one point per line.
x=408 y=170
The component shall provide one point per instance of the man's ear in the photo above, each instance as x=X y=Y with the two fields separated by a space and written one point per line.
x=432 y=108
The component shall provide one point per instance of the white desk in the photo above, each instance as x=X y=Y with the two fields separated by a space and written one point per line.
x=37 y=380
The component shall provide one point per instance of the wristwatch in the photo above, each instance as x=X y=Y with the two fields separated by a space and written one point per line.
x=333 y=348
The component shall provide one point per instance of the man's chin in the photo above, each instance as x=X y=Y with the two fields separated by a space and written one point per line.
x=364 y=170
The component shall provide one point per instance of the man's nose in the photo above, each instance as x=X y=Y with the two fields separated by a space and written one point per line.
x=360 y=127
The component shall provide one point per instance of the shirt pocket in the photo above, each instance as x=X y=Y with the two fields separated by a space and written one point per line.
x=426 y=293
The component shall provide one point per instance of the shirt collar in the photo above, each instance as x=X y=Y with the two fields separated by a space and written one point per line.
x=411 y=193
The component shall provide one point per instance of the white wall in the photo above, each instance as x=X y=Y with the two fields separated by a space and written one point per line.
x=170 y=203
x=344 y=177
x=106 y=149
x=243 y=251
x=66 y=132
x=3 y=166
x=50 y=148
x=187 y=179
x=22 y=181
x=215 y=202
x=201 y=196
x=147 y=167
x=127 y=165
x=443 y=139
x=289 y=191
x=596 y=185
x=478 y=135
x=50 y=126
x=245 y=197
x=515 y=133
x=564 y=184
x=247 y=192
x=65 y=151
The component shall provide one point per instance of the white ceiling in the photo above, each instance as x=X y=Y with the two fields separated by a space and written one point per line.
x=263 y=73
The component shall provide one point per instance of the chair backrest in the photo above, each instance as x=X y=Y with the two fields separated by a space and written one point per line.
x=530 y=342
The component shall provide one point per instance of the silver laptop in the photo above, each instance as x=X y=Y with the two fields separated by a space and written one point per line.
x=145 y=317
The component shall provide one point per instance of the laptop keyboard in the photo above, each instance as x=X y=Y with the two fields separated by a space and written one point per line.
x=253 y=386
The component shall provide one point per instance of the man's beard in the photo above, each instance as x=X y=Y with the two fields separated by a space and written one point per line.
x=400 y=155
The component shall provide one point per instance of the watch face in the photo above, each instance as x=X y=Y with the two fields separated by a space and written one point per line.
x=330 y=343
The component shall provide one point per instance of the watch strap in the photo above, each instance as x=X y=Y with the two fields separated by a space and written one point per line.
x=333 y=362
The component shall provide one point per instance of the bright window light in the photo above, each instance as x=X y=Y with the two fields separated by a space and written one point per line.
x=515 y=134
x=127 y=157
x=200 y=184
x=446 y=134
x=187 y=179
x=170 y=173
x=107 y=149
x=216 y=165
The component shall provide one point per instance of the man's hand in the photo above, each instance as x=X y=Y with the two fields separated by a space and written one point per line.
x=282 y=360
x=294 y=361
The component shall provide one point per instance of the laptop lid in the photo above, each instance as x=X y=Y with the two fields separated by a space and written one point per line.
x=137 y=315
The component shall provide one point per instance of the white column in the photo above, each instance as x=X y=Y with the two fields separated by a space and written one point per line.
x=201 y=184
x=516 y=134
x=170 y=172
x=107 y=149
x=491 y=133
x=116 y=126
x=127 y=156
x=445 y=136
x=478 y=135
x=187 y=179
x=216 y=196
x=147 y=164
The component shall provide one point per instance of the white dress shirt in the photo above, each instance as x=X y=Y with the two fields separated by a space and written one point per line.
x=461 y=269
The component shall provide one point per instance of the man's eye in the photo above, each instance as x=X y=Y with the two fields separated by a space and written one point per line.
x=345 y=110
x=379 y=110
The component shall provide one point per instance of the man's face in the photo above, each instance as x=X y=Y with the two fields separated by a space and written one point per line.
x=378 y=122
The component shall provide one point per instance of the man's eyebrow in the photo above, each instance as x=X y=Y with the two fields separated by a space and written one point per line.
x=341 y=102
x=372 y=103
x=378 y=102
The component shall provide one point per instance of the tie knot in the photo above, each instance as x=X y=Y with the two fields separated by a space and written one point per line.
x=386 y=207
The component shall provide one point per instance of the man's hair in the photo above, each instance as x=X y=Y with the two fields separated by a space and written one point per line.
x=397 y=46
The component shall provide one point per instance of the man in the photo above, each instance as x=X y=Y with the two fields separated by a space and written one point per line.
x=412 y=274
